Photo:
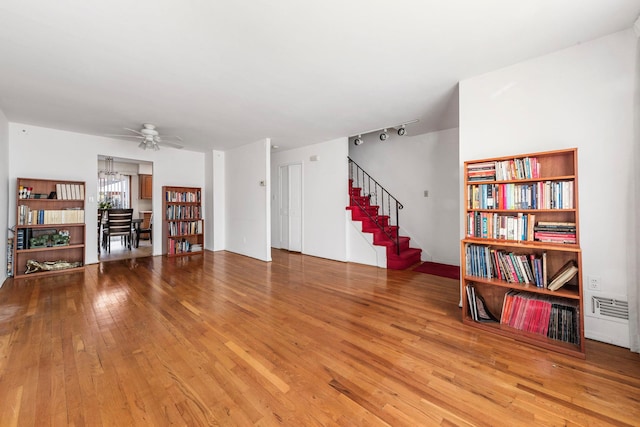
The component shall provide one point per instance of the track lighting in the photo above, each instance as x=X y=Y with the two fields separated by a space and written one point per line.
x=383 y=135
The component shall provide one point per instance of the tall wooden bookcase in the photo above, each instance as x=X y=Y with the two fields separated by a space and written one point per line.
x=183 y=225
x=45 y=210
x=522 y=228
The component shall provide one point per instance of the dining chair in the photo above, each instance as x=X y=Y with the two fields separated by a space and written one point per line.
x=119 y=224
x=145 y=229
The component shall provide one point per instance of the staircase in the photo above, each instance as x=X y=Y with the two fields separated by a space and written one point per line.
x=379 y=219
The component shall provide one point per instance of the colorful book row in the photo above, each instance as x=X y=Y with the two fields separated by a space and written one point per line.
x=489 y=225
x=484 y=261
x=506 y=170
x=27 y=216
x=540 y=314
x=182 y=196
x=183 y=212
x=537 y=195
x=181 y=228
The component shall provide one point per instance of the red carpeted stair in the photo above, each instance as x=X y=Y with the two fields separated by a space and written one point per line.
x=408 y=256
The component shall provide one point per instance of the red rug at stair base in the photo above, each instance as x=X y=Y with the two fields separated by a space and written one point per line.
x=442 y=270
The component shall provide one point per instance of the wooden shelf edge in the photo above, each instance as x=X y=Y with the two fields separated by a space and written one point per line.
x=49 y=248
x=48 y=273
x=527 y=287
x=524 y=244
x=71 y=224
x=514 y=181
x=184 y=254
x=575 y=350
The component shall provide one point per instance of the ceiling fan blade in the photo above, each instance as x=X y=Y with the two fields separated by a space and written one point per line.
x=125 y=136
x=168 y=144
x=134 y=131
x=170 y=137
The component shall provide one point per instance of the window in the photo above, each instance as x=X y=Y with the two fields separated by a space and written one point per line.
x=114 y=192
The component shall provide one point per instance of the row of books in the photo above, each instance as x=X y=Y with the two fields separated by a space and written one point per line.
x=488 y=225
x=485 y=171
x=541 y=314
x=181 y=196
x=537 y=195
x=183 y=212
x=181 y=228
x=70 y=191
x=27 y=216
x=524 y=168
x=490 y=263
x=182 y=246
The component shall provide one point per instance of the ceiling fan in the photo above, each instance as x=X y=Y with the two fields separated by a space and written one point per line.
x=150 y=138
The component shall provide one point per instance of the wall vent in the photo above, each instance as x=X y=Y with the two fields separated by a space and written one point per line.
x=609 y=308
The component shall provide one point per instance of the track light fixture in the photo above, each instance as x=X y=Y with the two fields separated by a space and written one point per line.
x=384 y=135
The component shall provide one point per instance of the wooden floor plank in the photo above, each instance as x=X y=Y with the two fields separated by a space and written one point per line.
x=223 y=339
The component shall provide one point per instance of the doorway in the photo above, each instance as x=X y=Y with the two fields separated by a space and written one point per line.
x=290 y=207
x=124 y=183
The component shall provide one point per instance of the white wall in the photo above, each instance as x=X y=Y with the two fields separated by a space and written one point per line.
x=37 y=152
x=247 y=201
x=581 y=97
x=219 y=197
x=5 y=184
x=324 y=196
x=407 y=166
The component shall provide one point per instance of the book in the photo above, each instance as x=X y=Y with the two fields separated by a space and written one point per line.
x=566 y=273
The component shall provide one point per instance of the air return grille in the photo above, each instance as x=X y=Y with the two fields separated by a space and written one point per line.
x=610 y=308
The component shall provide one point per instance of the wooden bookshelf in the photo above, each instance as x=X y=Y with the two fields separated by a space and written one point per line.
x=46 y=212
x=183 y=225
x=521 y=229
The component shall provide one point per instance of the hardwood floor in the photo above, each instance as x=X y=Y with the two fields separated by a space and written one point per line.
x=120 y=251
x=222 y=339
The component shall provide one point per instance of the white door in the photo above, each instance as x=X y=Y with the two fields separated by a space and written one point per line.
x=295 y=208
x=290 y=209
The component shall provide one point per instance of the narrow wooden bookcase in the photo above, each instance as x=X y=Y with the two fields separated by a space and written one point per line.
x=183 y=228
x=522 y=228
x=46 y=212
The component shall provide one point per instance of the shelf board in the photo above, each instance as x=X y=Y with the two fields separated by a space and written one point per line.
x=576 y=350
x=533 y=211
x=524 y=244
x=49 y=248
x=48 y=272
x=71 y=224
x=184 y=254
x=525 y=180
x=562 y=292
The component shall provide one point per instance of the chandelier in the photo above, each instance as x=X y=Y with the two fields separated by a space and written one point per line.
x=108 y=173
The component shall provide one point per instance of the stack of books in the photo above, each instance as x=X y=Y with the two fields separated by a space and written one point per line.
x=482 y=171
x=555 y=232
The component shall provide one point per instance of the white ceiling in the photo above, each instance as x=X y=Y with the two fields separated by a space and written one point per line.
x=226 y=73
